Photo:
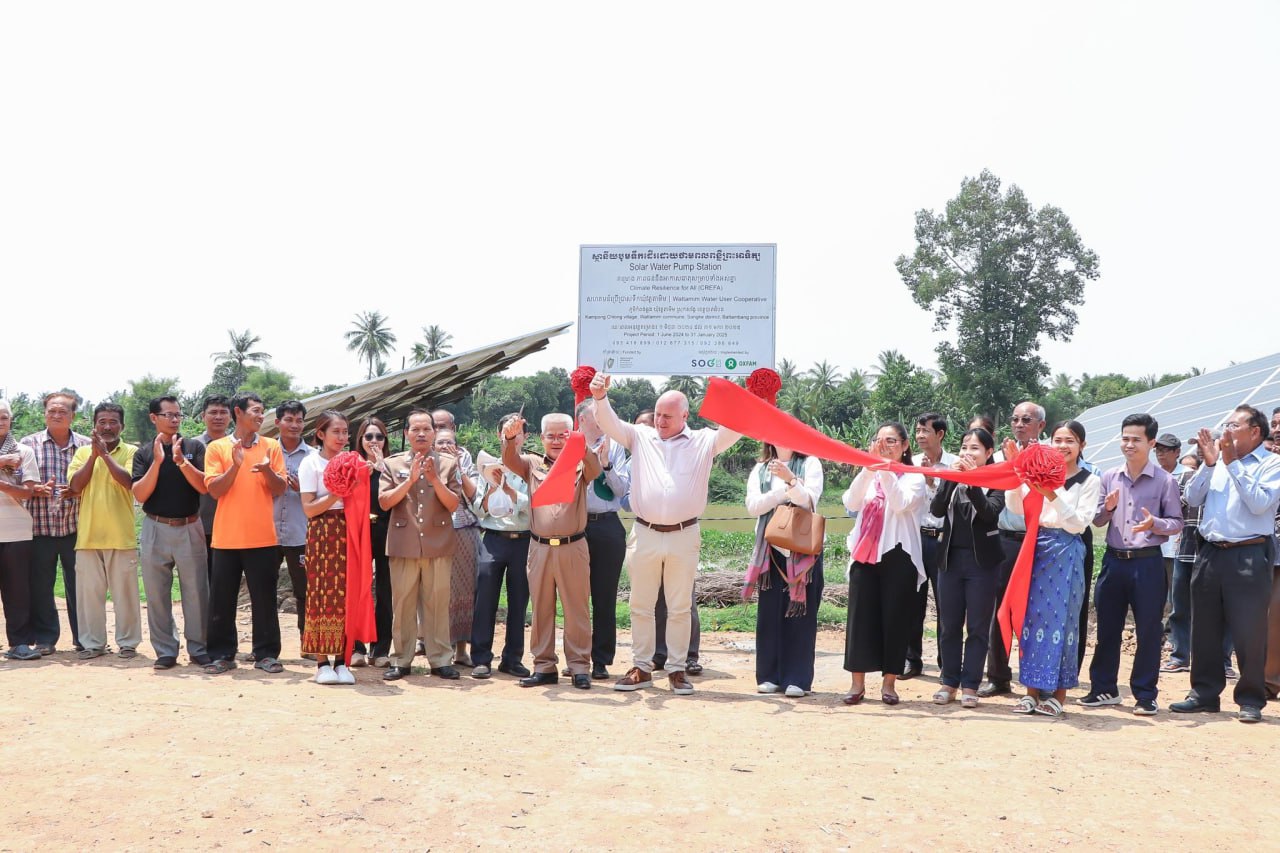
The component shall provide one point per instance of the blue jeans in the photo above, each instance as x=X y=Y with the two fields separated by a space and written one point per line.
x=1180 y=619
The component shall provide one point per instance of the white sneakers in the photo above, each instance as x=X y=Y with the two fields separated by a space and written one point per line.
x=767 y=687
x=334 y=675
x=344 y=675
x=794 y=692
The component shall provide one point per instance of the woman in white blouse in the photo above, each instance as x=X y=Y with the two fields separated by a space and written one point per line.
x=1047 y=659
x=886 y=566
x=786 y=618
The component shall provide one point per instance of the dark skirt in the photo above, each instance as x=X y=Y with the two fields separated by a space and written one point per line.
x=785 y=644
x=326 y=562
x=882 y=601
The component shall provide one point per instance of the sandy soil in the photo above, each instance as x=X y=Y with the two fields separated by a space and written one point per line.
x=113 y=755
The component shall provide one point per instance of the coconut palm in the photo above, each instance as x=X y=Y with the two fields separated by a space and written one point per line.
x=692 y=387
x=370 y=339
x=434 y=346
x=231 y=371
x=823 y=379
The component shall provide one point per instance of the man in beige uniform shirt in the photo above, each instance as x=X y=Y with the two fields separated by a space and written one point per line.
x=421 y=489
x=558 y=557
x=670 y=468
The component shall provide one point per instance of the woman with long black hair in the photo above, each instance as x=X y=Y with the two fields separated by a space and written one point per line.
x=371 y=439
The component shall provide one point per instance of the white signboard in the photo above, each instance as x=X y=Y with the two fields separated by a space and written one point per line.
x=677 y=309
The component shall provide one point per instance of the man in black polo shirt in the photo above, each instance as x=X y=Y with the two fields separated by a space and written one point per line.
x=168 y=480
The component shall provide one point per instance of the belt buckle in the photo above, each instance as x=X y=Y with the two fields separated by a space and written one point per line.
x=554 y=542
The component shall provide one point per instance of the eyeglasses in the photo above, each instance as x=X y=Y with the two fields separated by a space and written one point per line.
x=555 y=436
x=175 y=416
x=891 y=441
x=1023 y=419
x=374 y=436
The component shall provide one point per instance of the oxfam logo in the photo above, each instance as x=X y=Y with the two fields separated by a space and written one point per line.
x=731 y=363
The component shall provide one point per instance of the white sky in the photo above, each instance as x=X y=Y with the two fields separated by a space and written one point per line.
x=172 y=170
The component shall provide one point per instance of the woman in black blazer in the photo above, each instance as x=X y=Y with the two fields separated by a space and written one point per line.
x=969 y=555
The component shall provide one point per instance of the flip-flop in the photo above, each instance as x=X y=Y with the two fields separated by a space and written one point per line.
x=269 y=665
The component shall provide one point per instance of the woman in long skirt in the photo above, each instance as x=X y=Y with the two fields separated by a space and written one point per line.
x=786 y=621
x=886 y=566
x=1048 y=656
x=371 y=443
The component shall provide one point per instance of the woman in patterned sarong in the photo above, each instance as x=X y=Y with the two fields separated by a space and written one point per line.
x=326 y=557
x=1048 y=662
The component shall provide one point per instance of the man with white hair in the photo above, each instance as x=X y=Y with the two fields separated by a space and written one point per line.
x=559 y=561
x=670 y=470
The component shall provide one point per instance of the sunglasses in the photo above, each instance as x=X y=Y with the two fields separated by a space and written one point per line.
x=374 y=436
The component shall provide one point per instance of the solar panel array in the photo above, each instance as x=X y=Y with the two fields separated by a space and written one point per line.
x=1184 y=407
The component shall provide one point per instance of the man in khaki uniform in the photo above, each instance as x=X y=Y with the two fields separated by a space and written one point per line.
x=422 y=490
x=558 y=557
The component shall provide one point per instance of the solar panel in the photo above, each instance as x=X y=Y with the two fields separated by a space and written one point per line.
x=1182 y=408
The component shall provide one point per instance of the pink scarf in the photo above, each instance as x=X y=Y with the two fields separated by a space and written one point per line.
x=867 y=548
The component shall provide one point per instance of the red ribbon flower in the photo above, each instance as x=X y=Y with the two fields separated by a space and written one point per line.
x=765 y=384
x=1041 y=465
x=342 y=473
x=580 y=381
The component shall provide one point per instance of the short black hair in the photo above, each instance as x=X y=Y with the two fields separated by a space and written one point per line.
x=242 y=399
x=988 y=423
x=933 y=421
x=290 y=407
x=1142 y=419
x=1256 y=418
x=215 y=400
x=108 y=406
x=154 y=406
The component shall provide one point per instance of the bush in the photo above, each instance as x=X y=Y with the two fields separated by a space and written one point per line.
x=724 y=488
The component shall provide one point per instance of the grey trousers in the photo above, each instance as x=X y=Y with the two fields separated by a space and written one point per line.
x=695 y=625
x=99 y=570
x=163 y=548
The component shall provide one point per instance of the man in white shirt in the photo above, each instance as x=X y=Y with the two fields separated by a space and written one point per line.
x=670 y=468
x=931 y=430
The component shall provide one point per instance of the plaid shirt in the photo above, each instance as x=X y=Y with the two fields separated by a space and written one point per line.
x=52 y=516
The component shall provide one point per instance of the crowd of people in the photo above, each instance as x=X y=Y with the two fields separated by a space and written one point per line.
x=407 y=554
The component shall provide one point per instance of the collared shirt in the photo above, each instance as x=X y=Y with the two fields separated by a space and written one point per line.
x=173 y=496
x=945 y=461
x=1169 y=549
x=515 y=522
x=616 y=480
x=669 y=477
x=1239 y=499
x=106 y=507
x=1073 y=505
x=421 y=527
x=208 y=504
x=463 y=516
x=1009 y=520
x=1190 y=521
x=244 y=510
x=52 y=516
x=904 y=508
x=15 y=519
x=1155 y=491
x=286 y=508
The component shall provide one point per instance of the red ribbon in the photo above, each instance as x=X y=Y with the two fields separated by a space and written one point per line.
x=739 y=410
x=350 y=473
x=563 y=477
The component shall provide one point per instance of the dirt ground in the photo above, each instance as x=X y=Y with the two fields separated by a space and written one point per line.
x=111 y=754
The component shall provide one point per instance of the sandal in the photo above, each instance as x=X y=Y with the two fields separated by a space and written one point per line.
x=945 y=696
x=1026 y=705
x=969 y=700
x=127 y=653
x=853 y=698
x=1050 y=708
x=218 y=667
x=269 y=665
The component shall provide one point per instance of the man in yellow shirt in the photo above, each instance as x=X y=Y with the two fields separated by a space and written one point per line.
x=106 y=548
x=244 y=472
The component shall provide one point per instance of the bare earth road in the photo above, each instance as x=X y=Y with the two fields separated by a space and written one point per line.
x=112 y=755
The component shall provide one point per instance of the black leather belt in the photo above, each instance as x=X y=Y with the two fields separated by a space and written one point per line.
x=509 y=534
x=1136 y=553
x=667 y=528
x=1257 y=540
x=597 y=516
x=555 y=541
x=1017 y=535
x=932 y=532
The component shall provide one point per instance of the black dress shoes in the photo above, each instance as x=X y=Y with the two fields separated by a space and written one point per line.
x=445 y=672
x=1193 y=705
x=911 y=671
x=1247 y=714
x=539 y=678
x=517 y=669
x=994 y=688
x=395 y=673
x=582 y=681
x=599 y=672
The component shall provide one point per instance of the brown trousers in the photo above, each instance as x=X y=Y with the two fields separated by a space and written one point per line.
x=565 y=569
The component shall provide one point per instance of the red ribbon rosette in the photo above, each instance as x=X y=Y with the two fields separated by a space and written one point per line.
x=580 y=380
x=343 y=472
x=347 y=476
x=765 y=384
x=1040 y=465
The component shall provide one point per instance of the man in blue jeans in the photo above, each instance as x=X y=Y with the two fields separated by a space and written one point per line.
x=1140 y=504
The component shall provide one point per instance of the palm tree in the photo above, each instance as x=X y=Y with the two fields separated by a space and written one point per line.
x=786 y=370
x=435 y=345
x=825 y=377
x=231 y=371
x=692 y=387
x=370 y=339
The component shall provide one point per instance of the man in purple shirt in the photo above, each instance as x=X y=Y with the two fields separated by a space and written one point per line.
x=1140 y=504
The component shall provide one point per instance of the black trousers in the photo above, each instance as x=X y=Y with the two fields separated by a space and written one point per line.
x=915 y=642
x=882 y=603
x=785 y=644
x=15 y=591
x=295 y=558
x=382 y=609
x=46 y=551
x=607 y=545
x=1230 y=591
x=1087 y=536
x=259 y=567
x=998 y=669
x=499 y=557
x=966 y=603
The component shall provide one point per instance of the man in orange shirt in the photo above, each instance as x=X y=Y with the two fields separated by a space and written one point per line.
x=244 y=472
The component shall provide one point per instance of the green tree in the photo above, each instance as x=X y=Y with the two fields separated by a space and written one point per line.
x=273 y=386
x=1006 y=275
x=371 y=340
x=692 y=387
x=1106 y=387
x=231 y=367
x=902 y=390
x=846 y=402
x=1062 y=401
x=433 y=347
x=137 y=423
